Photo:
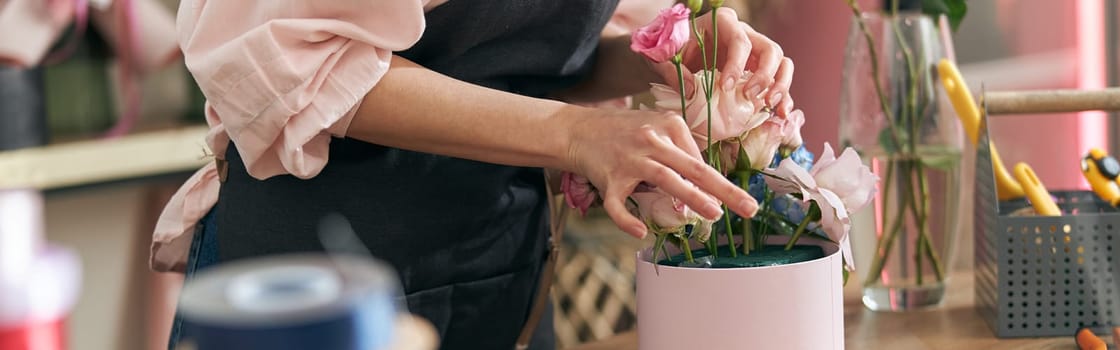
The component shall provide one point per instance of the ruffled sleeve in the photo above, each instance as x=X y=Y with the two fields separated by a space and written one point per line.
x=283 y=75
x=281 y=78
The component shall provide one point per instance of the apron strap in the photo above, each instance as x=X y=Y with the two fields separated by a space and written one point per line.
x=557 y=213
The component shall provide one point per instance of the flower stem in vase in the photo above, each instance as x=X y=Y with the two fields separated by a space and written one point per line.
x=885 y=195
x=935 y=261
x=886 y=242
x=874 y=59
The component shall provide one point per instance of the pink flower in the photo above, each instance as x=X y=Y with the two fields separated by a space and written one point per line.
x=578 y=192
x=665 y=214
x=664 y=37
x=846 y=176
x=762 y=142
x=791 y=135
x=733 y=113
x=839 y=186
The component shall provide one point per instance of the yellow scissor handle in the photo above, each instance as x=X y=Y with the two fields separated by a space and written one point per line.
x=1101 y=184
x=1036 y=192
x=955 y=87
x=961 y=97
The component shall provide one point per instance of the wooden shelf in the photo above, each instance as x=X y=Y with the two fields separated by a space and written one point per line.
x=87 y=162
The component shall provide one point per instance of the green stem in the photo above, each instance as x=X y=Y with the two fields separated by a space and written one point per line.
x=920 y=247
x=659 y=246
x=703 y=51
x=687 y=249
x=748 y=230
x=888 y=240
x=707 y=82
x=875 y=69
x=715 y=47
x=921 y=207
x=935 y=261
x=886 y=195
x=712 y=245
x=730 y=236
x=800 y=230
x=680 y=80
x=919 y=220
x=748 y=237
x=768 y=209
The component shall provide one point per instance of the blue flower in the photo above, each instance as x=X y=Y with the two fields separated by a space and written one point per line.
x=788 y=207
x=757 y=187
x=803 y=157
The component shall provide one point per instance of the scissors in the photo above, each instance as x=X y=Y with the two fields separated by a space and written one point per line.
x=1007 y=187
x=1102 y=172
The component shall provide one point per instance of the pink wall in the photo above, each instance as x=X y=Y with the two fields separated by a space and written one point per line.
x=813 y=34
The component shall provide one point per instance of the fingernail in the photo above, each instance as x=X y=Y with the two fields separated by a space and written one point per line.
x=638 y=231
x=712 y=211
x=775 y=98
x=728 y=83
x=748 y=206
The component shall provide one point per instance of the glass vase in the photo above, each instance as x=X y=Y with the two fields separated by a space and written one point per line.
x=894 y=113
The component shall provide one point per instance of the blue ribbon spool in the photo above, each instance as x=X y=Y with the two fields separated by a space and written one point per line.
x=292 y=302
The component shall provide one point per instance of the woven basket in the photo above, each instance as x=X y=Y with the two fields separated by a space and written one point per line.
x=594 y=287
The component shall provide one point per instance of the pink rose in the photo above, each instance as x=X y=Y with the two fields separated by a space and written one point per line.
x=733 y=113
x=791 y=136
x=578 y=192
x=665 y=214
x=664 y=37
x=662 y=210
x=762 y=142
x=846 y=176
x=833 y=183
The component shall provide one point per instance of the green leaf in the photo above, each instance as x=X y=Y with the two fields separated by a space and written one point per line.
x=744 y=162
x=658 y=246
x=845 y=271
x=939 y=157
x=887 y=141
x=944 y=162
x=954 y=10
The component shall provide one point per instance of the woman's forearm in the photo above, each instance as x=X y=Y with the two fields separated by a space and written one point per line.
x=618 y=72
x=414 y=108
x=417 y=109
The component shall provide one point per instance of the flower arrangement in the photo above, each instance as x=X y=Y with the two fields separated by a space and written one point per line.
x=742 y=136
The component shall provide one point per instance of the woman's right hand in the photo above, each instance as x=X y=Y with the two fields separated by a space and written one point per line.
x=618 y=149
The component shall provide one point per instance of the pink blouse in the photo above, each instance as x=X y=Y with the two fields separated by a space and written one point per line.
x=281 y=78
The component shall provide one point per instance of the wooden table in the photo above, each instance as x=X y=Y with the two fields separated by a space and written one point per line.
x=954 y=326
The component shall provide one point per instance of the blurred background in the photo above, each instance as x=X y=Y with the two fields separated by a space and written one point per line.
x=103 y=204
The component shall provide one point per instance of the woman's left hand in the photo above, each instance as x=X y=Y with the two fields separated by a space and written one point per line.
x=740 y=48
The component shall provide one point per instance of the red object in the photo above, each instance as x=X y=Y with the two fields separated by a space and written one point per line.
x=50 y=335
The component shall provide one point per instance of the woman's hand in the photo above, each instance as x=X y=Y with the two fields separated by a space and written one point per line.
x=618 y=149
x=741 y=49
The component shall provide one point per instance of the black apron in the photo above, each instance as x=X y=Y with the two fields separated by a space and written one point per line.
x=467 y=238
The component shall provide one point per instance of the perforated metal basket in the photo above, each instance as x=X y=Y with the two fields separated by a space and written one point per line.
x=1040 y=275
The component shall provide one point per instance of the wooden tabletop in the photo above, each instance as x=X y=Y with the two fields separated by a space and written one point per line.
x=955 y=326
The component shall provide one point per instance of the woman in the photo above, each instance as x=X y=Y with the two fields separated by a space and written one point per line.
x=427 y=125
